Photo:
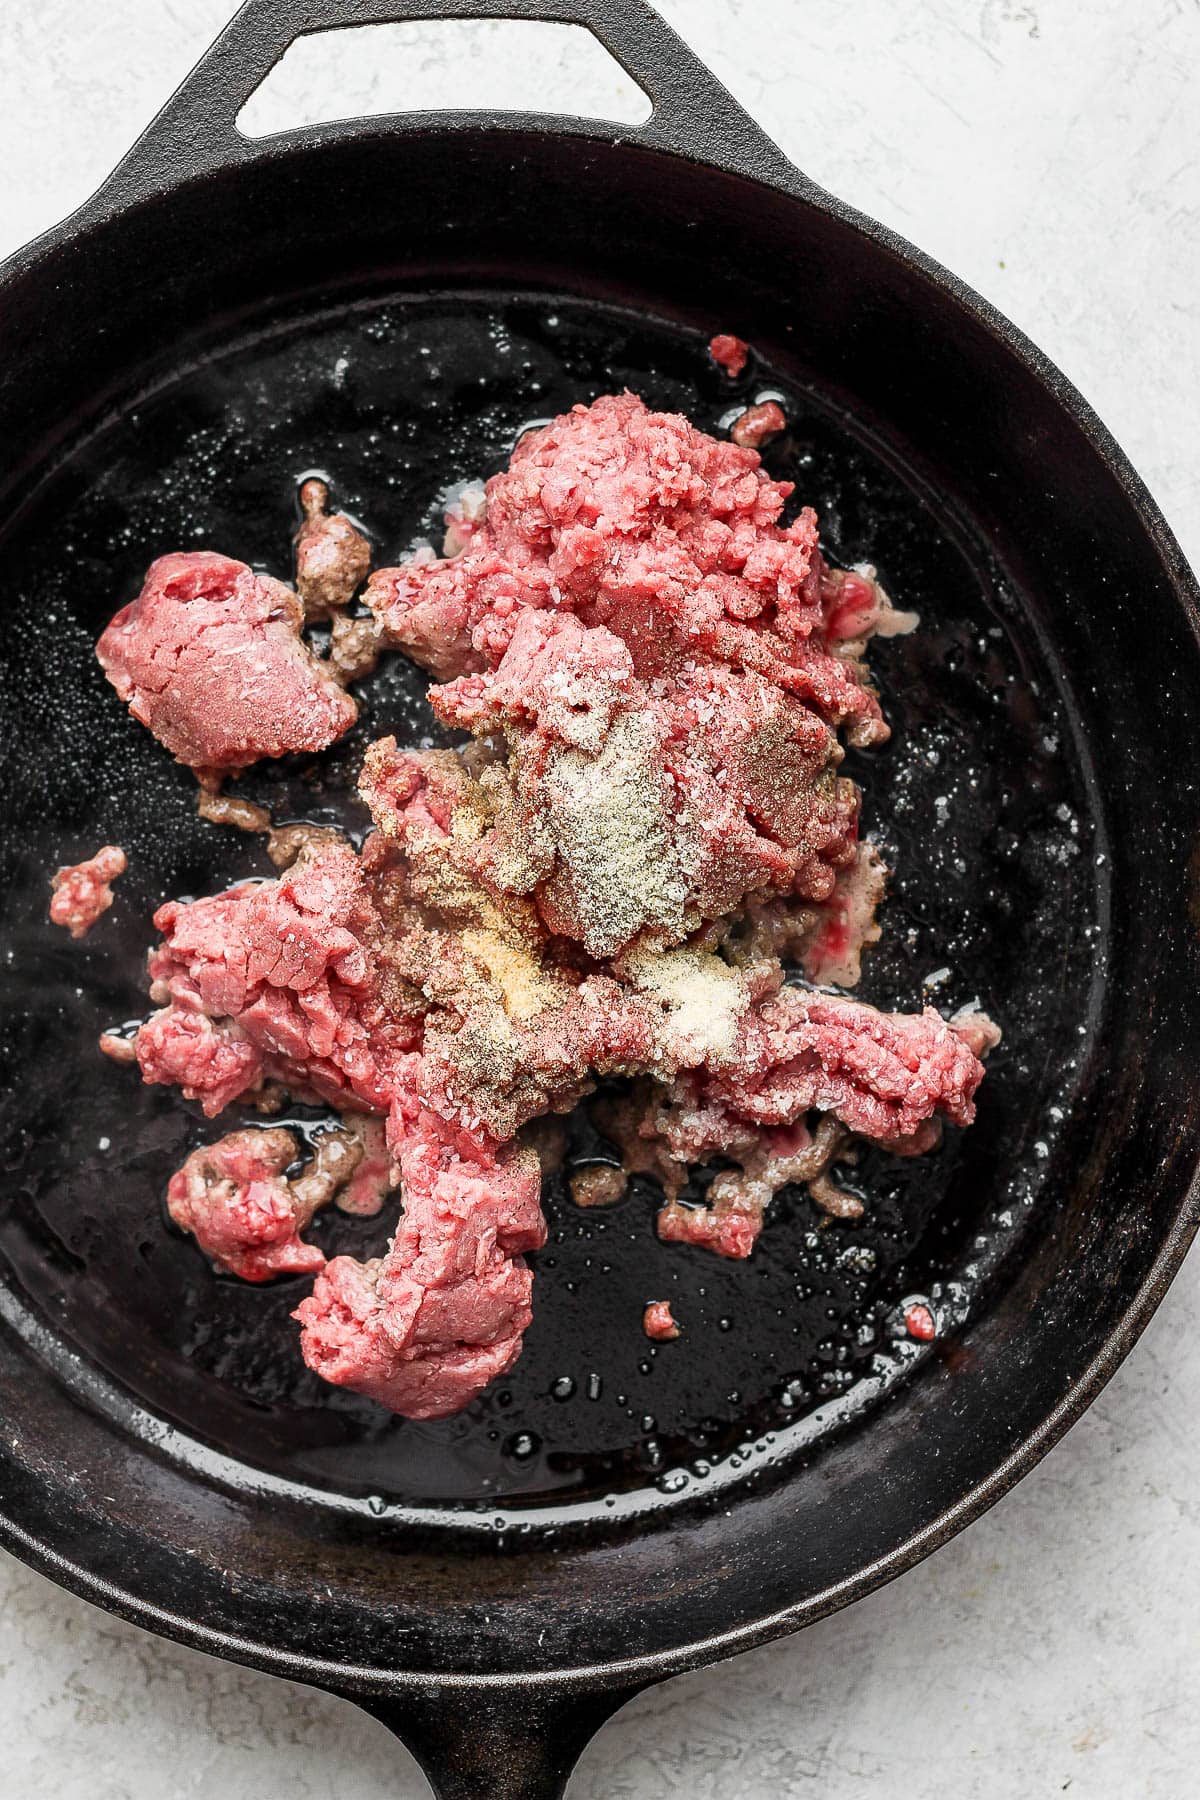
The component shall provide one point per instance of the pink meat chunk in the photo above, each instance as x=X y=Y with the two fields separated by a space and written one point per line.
x=247 y=1214
x=235 y=1200
x=276 y=981
x=758 y=424
x=729 y=353
x=427 y=1327
x=891 y=1078
x=731 y=1233
x=658 y=1322
x=83 y=890
x=209 y=657
x=636 y=521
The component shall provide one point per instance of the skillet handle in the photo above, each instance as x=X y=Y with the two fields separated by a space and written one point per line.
x=196 y=131
x=482 y=1742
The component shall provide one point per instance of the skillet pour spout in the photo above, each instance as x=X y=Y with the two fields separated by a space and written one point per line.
x=169 y=370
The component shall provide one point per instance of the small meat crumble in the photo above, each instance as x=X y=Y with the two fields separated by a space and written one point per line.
x=729 y=353
x=210 y=657
x=645 y=865
x=758 y=424
x=658 y=1322
x=83 y=890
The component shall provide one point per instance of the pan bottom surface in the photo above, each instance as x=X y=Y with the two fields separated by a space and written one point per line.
x=982 y=804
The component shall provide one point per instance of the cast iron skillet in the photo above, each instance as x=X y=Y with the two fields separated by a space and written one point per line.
x=392 y=300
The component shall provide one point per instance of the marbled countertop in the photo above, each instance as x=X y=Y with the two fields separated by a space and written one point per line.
x=1047 y=150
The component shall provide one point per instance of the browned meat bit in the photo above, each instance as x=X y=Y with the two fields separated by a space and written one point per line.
x=354 y=646
x=599 y=1184
x=230 y=809
x=838 y=1202
x=82 y=891
x=337 y=1155
x=284 y=842
x=332 y=556
x=269 y=1099
x=371 y=1177
x=757 y=424
x=287 y=841
x=658 y=1322
x=210 y=657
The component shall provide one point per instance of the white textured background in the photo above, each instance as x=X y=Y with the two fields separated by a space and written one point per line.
x=1050 y=153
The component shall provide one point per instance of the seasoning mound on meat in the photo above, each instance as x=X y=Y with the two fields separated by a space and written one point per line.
x=209 y=657
x=666 y=665
x=649 y=830
x=83 y=890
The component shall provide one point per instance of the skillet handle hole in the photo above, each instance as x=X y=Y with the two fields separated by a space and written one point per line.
x=433 y=65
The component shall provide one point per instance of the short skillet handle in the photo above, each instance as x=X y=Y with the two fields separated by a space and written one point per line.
x=196 y=131
x=496 y=1742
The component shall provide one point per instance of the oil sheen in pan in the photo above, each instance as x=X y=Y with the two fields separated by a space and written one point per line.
x=980 y=803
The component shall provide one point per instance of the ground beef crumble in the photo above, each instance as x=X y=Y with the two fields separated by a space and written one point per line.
x=332 y=555
x=729 y=353
x=83 y=891
x=658 y=1322
x=650 y=825
x=209 y=657
x=758 y=424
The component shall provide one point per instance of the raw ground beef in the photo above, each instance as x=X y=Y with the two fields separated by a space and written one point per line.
x=729 y=353
x=608 y=881
x=758 y=424
x=425 y=1327
x=278 y=981
x=234 y=1197
x=238 y=1202
x=886 y=1078
x=636 y=521
x=658 y=1322
x=83 y=891
x=209 y=657
x=399 y=982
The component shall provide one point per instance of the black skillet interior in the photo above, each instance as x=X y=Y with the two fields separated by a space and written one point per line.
x=202 y=337
x=983 y=803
